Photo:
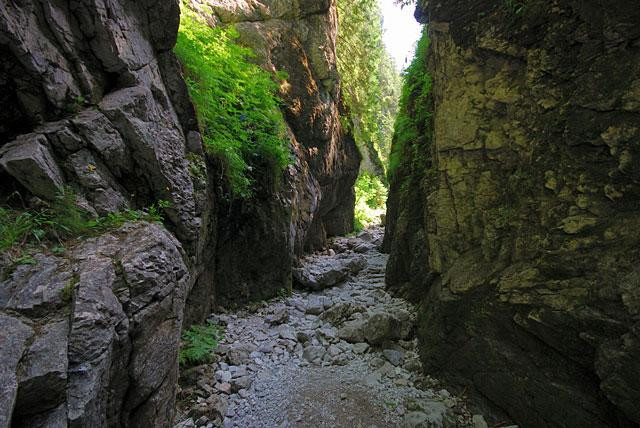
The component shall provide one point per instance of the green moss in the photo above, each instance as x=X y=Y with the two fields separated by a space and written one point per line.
x=66 y=294
x=197 y=167
x=236 y=102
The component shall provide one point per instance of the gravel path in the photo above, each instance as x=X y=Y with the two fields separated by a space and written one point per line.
x=343 y=356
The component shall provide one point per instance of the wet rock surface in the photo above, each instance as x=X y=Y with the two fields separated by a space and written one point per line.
x=343 y=357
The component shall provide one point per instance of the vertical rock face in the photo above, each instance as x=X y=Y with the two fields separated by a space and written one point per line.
x=93 y=339
x=519 y=233
x=91 y=98
x=258 y=239
x=92 y=102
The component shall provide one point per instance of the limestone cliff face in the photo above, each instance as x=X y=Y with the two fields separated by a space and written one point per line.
x=259 y=239
x=91 y=98
x=514 y=219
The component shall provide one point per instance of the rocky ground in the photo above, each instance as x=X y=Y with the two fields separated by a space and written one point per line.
x=342 y=354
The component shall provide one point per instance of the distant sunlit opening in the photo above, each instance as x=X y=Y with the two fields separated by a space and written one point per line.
x=401 y=32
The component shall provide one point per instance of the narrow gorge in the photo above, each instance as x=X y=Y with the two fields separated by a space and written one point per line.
x=193 y=228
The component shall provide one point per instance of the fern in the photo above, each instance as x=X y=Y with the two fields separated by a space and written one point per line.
x=236 y=102
x=198 y=344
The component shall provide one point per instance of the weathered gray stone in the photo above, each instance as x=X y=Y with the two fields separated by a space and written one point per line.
x=29 y=161
x=42 y=380
x=14 y=335
x=314 y=353
x=37 y=290
x=328 y=271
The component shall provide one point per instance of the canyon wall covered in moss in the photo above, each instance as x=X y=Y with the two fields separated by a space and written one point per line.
x=513 y=213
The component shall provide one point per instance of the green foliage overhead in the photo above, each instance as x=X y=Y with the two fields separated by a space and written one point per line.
x=412 y=122
x=198 y=344
x=236 y=102
x=370 y=81
x=371 y=197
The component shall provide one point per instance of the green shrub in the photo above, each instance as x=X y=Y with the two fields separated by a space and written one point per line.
x=236 y=102
x=371 y=197
x=414 y=113
x=198 y=344
x=61 y=220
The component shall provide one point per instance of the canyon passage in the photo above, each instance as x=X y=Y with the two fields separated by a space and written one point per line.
x=245 y=213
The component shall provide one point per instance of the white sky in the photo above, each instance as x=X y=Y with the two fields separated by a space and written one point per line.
x=401 y=31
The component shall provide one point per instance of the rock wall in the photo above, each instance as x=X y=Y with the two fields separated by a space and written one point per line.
x=92 y=339
x=514 y=218
x=259 y=239
x=93 y=99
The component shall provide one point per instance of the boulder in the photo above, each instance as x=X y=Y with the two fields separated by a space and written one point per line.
x=320 y=272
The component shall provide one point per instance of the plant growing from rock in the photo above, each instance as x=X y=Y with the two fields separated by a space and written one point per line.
x=198 y=344
x=236 y=102
x=61 y=220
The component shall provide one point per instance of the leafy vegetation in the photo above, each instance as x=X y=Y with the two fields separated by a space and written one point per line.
x=515 y=7
x=371 y=197
x=412 y=122
x=61 y=220
x=370 y=82
x=198 y=344
x=236 y=102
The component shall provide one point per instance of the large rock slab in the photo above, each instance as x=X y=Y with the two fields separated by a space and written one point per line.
x=103 y=347
x=319 y=272
x=29 y=160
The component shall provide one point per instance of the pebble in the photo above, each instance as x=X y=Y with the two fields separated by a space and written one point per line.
x=268 y=355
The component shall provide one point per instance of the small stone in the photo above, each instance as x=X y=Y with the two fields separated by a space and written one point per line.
x=334 y=350
x=394 y=357
x=360 y=348
x=223 y=376
x=313 y=353
x=189 y=423
x=280 y=316
x=377 y=362
x=241 y=383
x=303 y=336
x=314 y=307
x=479 y=422
x=224 y=387
x=285 y=331
x=343 y=396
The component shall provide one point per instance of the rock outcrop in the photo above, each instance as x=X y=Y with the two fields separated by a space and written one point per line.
x=92 y=339
x=518 y=229
x=259 y=239
x=93 y=100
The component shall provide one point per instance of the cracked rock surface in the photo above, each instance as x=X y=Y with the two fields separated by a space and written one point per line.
x=77 y=333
